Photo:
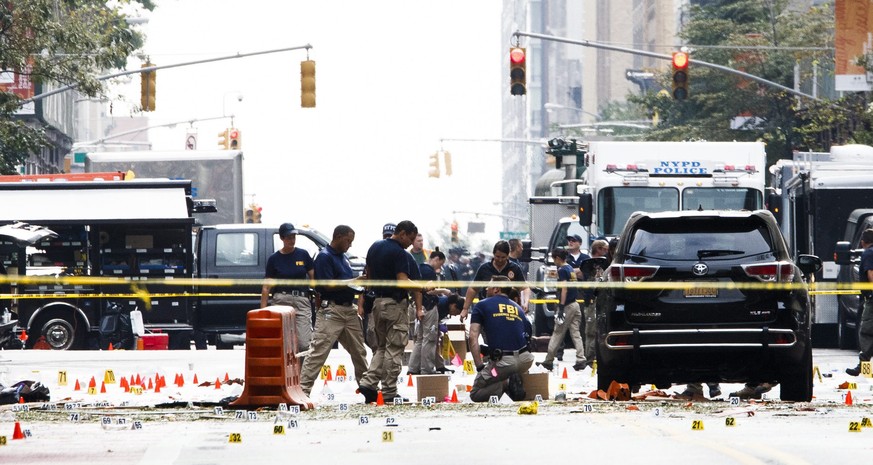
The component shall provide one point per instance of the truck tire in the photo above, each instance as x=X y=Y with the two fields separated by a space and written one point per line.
x=60 y=333
x=846 y=338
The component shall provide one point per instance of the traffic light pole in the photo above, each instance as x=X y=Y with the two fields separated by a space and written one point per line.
x=146 y=128
x=661 y=56
x=153 y=68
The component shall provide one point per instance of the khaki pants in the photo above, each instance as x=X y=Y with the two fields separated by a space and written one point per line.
x=334 y=323
x=424 y=353
x=572 y=319
x=590 y=315
x=391 y=329
x=303 y=319
x=865 y=336
x=486 y=384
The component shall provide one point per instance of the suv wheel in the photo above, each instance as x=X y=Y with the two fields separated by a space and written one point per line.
x=796 y=385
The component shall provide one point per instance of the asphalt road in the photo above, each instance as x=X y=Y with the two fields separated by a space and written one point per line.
x=179 y=425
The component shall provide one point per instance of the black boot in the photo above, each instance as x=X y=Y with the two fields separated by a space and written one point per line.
x=854 y=371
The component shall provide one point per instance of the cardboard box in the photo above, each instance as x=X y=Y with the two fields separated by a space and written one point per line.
x=432 y=386
x=535 y=383
x=459 y=343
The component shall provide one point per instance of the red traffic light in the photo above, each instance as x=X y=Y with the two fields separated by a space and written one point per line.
x=517 y=71
x=680 y=60
x=234 y=134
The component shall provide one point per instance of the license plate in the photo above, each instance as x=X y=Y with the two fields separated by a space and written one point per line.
x=695 y=292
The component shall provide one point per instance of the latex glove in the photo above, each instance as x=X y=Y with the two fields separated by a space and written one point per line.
x=559 y=315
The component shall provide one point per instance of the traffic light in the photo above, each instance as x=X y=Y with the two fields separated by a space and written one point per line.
x=147 y=80
x=455 y=232
x=447 y=162
x=307 y=84
x=249 y=215
x=235 y=139
x=224 y=139
x=680 y=75
x=517 y=75
x=434 y=171
x=255 y=216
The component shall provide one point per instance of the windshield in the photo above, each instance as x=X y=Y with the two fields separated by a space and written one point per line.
x=615 y=205
x=721 y=198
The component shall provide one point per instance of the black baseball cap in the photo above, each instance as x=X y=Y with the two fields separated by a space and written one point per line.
x=286 y=229
x=575 y=238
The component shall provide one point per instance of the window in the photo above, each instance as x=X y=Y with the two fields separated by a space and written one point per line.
x=682 y=240
x=236 y=249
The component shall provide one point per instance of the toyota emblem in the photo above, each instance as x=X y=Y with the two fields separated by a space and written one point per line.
x=699 y=269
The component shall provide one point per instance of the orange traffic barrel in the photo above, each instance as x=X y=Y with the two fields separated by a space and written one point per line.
x=272 y=367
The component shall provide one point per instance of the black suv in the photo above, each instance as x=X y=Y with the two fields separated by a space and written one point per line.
x=713 y=320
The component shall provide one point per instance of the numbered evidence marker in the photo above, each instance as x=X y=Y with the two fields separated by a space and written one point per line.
x=468 y=367
x=866 y=369
x=387 y=436
x=697 y=425
x=363 y=420
x=109 y=377
x=2 y=440
x=293 y=423
x=587 y=408
x=734 y=401
x=657 y=412
x=493 y=400
x=278 y=429
x=390 y=421
x=62 y=378
x=234 y=438
x=325 y=371
x=730 y=421
x=865 y=423
x=343 y=407
x=854 y=427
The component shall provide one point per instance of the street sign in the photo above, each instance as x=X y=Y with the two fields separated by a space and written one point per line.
x=506 y=235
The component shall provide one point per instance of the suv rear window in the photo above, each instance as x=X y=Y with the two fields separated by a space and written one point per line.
x=696 y=238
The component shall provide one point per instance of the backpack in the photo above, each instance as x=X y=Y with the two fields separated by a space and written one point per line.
x=116 y=328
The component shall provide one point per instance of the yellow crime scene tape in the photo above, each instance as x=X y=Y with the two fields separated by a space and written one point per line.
x=41 y=287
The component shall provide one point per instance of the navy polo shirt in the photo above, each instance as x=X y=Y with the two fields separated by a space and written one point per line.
x=566 y=274
x=385 y=259
x=577 y=262
x=295 y=265
x=503 y=322
x=330 y=264
x=487 y=271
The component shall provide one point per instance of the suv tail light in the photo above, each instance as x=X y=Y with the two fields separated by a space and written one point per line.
x=770 y=272
x=631 y=273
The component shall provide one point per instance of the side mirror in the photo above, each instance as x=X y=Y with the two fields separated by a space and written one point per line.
x=586 y=209
x=808 y=264
x=526 y=252
x=774 y=204
x=844 y=254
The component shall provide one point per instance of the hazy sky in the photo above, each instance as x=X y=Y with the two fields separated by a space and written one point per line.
x=393 y=78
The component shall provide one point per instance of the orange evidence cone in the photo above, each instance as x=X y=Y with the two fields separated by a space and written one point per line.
x=157 y=388
x=379 y=399
x=151 y=386
x=849 y=398
x=77 y=387
x=138 y=381
x=123 y=383
x=226 y=378
x=195 y=379
x=329 y=377
x=110 y=346
x=409 y=383
x=217 y=384
x=564 y=375
x=21 y=400
x=103 y=388
x=92 y=383
x=23 y=336
x=17 y=433
x=454 y=396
